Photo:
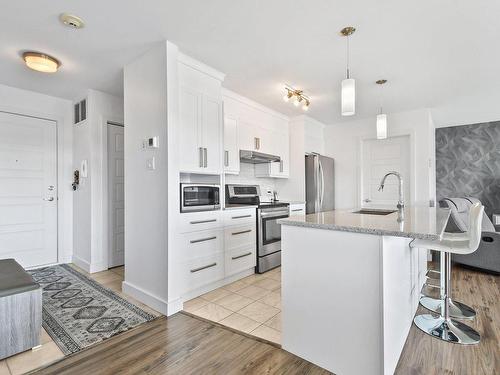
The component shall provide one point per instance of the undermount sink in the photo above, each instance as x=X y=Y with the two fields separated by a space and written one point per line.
x=367 y=211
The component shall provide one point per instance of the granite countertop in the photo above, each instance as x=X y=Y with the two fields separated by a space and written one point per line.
x=419 y=222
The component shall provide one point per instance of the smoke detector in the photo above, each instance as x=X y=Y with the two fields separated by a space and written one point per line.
x=71 y=21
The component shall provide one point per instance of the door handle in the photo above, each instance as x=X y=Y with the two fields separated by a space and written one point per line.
x=50 y=199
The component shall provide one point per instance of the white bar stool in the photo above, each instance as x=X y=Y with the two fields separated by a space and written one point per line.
x=457 y=309
x=442 y=326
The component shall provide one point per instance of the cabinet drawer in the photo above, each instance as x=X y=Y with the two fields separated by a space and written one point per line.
x=202 y=271
x=240 y=236
x=240 y=260
x=297 y=209
x=201 y=244
x=194 y=221
x=239 y=216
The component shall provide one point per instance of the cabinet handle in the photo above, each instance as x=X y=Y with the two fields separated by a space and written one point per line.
x=226 y=158
x=203 y=239
x=281 y=166
x=256 y=142
x=241 y=256
x=297 y=209
x=203 y=268
x=200 y=156
x=240 y=217
x=205 y=154
x=202 y=221
x=242 y=232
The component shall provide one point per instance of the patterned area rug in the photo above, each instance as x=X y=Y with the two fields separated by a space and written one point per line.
x=79 y=312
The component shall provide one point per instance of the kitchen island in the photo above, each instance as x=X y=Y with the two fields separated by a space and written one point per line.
x=351 y=284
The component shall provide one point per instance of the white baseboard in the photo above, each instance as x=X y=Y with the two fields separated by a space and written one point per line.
x=82 y=263
x=147 y=298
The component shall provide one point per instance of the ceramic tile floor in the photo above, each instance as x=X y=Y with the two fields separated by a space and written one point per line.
x=49 y=351
x=251 y=305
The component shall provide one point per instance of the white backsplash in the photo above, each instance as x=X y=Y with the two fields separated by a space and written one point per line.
x=247 y=177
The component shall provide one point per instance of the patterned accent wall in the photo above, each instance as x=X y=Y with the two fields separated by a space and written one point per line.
x=468 y=163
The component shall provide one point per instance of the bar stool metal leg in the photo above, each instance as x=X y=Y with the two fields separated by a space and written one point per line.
x=443 y=327
x=457 y=309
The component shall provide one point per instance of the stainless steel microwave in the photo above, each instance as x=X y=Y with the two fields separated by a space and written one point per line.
x=200 y=197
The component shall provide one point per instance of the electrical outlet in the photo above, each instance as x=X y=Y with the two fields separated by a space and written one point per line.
x=496 y=219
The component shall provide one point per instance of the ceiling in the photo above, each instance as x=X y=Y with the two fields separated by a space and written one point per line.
x=432 y=53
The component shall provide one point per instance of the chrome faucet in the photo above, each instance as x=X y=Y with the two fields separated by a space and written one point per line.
x=401 y=200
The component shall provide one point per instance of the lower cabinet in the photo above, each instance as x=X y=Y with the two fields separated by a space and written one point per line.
x=199 y=272
x=215 y=255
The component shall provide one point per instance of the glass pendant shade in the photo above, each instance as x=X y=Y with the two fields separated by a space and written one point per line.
x=382 y=126
x=348 y=97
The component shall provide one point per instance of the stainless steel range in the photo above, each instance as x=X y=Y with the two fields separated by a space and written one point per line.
x=268 y=230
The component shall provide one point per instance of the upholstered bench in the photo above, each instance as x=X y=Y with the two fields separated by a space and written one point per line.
x=20 y=309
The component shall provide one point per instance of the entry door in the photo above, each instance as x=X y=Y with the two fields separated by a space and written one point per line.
x=116 y=224
x=380 y=157
x=28 y=190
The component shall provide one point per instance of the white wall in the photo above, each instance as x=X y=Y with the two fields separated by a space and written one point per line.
x=306 y=136
x=147 y=192
x=90 y=203
x=30 y=103
x=343 y=141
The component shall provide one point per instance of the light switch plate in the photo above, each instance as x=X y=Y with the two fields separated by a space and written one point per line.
x=151 y=164
x=496 y=219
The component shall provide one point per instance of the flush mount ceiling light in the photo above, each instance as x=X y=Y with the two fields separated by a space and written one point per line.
x=348 y=94
x=297 y=96
x=41 y=62
x=71 y=21
x=381 y=117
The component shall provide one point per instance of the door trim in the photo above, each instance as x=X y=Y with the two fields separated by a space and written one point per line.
x=410 y=133
x=61 y=199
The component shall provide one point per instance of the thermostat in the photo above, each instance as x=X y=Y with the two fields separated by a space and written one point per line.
x=151 y=142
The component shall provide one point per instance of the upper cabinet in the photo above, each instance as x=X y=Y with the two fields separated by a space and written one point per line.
x=257 y=129
x=231 y=151
x=200 y=117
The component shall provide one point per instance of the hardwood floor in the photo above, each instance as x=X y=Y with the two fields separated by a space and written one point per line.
x=182 y=345
x=185 y=345
x=424 y=354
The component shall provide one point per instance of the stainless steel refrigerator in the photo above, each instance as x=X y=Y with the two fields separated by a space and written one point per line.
x=320 y=180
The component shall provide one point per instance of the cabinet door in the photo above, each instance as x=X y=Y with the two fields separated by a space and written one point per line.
x=281 y=148
x=231 y=152
x=211 y=129
x=247 y=136
x=190 y=136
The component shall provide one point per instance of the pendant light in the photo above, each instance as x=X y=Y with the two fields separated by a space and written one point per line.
x=348 y=85
x=381 y=117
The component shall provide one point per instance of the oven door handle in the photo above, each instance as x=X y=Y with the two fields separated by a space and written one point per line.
x=274 y=214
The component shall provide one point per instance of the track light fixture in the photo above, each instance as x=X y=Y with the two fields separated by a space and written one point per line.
x=297 y=96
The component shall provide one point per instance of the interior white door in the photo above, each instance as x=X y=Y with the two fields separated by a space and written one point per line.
x=116 y=202
x=28 y=190
x=380 y=157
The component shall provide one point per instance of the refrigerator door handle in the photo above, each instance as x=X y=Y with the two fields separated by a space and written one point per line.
x=316 y=180
x=322 y=184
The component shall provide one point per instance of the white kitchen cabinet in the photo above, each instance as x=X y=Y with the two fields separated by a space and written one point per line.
x=231 y=149
x=280 y=146
x=297 y=209
x=200 y=117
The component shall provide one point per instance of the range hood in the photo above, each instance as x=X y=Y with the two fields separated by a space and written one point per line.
x=254 y=157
